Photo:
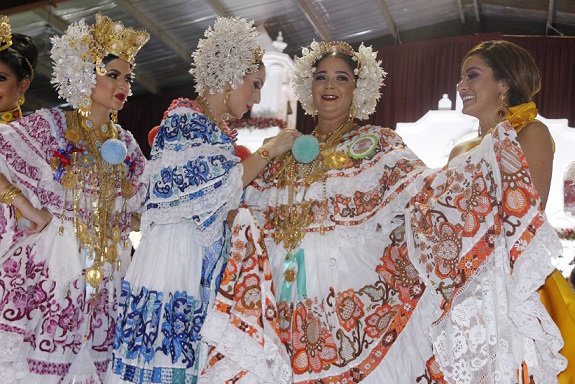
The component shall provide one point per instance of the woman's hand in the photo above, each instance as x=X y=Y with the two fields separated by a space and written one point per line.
x=39 y=219
x=282 y=142
x=275 y=146
x=136 y=220
x=231 y=217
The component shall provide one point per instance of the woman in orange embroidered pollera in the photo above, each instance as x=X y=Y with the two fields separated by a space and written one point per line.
x=498 y=82
x=355 y=263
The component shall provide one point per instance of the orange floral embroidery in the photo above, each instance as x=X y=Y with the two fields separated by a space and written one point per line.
x=378 y=323
x=398 y=271
x=284 y=320
x=349 y=309
x=248 y=296
x=365 y=201
x=447 y=250
x=476 y=203
x=313 y=345
x=516 y=202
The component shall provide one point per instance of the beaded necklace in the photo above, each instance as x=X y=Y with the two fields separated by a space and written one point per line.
x=92 y=184
x=205 y=106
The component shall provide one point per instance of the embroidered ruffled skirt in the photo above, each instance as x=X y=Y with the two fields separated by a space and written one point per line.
x=165 y=297
x=46 y=326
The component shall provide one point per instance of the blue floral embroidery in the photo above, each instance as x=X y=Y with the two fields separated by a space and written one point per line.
x=166 y=175
x=137 y=326
x=183 y=318
x=171 y=127
x=221 y=165
x=197 y=171
x=212 y=255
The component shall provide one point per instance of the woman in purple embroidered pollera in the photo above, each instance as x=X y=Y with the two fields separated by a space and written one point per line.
x=18 y=58
x=75 y=176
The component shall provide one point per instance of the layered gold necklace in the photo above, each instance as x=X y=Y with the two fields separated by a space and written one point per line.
x=292 y=219
x=93 y=184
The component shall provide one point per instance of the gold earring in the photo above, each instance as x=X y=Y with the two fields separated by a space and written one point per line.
x=21 y=99
x=352 y=111
x=85 y=106
x=114 y=116
x=501 y=109
x=100 y=68
x=227 y=97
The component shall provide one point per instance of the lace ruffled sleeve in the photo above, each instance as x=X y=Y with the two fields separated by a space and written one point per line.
x=479 y=238
x=193 y=173
x=26 y=148
x=135 y=162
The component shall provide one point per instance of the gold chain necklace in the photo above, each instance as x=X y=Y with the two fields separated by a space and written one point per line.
x=205 y=106
x=328 y=136
x=93 y=184
x=292 y=219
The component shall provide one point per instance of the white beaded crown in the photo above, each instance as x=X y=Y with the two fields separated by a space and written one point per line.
x=369 y=76
x=229 y=51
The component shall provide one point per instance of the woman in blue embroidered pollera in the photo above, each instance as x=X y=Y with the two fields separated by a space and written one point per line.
x=499 y=80
x=195 y=180
x=18 y=58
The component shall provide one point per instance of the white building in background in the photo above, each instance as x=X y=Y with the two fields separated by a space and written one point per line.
x=433 y=136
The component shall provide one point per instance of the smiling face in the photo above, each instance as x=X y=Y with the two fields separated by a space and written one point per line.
x=332 y=89
x=479 y=90
x=113 y=88
x=243 y=98
x=10 y=88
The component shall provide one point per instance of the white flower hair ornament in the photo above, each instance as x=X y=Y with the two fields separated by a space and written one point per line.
x=369 y=76
x=228 y=52
x=77 y=55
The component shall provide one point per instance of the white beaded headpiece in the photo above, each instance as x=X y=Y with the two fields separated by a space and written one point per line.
x=369 y=75
x=228 y=52
x=5 y=33
x=77 y=55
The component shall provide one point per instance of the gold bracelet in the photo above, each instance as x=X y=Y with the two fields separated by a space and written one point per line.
x=9 y=193
x=265 y=154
